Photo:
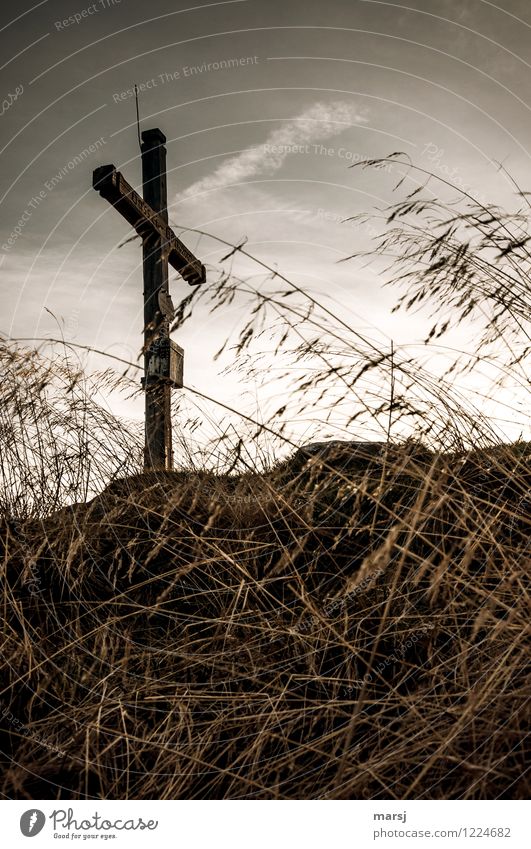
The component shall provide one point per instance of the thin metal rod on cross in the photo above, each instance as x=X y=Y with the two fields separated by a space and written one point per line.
x=163 y=359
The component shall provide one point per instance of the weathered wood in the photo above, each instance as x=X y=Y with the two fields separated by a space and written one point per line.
x=163 y=359
x=158 y=448
x=112 y=186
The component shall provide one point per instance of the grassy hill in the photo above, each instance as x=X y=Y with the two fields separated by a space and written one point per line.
x=349 y=622
x=346 y=625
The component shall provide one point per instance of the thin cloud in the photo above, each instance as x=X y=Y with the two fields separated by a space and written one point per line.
x=321 y=121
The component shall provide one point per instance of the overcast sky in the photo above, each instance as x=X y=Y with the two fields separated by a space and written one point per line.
x=265 y=104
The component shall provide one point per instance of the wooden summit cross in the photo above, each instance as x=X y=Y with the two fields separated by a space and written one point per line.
x=163 y=359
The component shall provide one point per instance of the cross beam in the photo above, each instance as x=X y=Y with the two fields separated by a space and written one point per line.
x=163 y=359
x=113 y=186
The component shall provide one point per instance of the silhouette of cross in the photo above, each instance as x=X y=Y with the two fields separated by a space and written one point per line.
x=163 y=358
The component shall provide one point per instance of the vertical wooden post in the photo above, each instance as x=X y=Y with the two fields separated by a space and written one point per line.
x=158 y=444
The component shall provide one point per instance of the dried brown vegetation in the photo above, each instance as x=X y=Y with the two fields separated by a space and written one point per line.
x=358 y=632
x=343 y=623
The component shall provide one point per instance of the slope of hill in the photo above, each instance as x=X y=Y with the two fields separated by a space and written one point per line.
x=347 y=625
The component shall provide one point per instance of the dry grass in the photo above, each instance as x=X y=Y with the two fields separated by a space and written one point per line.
x=348 y=628
x=350 y=624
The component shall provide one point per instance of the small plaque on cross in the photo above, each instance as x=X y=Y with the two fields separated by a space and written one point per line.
x=166 y=363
